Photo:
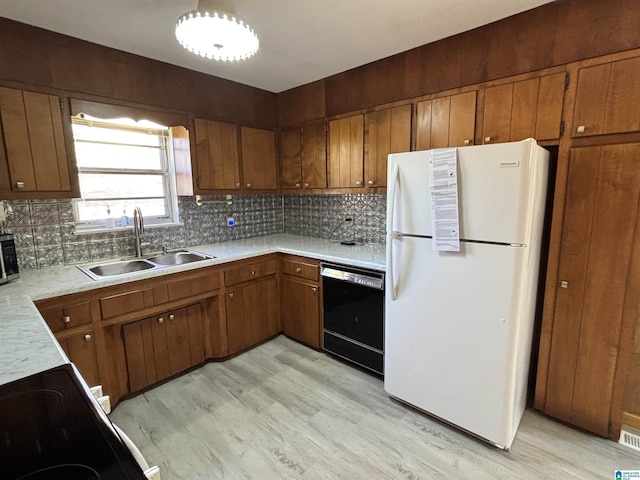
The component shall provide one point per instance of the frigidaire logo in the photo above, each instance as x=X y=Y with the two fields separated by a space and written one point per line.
x=514 y=163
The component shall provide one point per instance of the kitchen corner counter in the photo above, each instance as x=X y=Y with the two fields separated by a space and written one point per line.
x=28 y=345
x=58 y=281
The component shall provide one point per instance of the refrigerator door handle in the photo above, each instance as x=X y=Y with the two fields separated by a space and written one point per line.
x=393 y=183
x=392 y=282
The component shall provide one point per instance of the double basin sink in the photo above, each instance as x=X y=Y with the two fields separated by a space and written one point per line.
x=124 y=267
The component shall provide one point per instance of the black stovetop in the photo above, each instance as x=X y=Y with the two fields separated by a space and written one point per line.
x=52 y=428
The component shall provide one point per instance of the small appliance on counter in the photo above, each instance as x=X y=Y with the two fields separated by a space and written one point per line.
x=8 y=258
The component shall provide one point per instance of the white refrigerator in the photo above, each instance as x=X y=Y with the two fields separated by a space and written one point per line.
x=458 y=324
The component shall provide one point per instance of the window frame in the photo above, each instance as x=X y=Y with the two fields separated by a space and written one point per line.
x=167 y=172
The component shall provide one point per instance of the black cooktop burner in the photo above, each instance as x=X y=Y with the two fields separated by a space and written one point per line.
x=52 y=428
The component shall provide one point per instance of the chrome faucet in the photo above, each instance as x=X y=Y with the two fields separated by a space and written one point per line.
x=138 y=230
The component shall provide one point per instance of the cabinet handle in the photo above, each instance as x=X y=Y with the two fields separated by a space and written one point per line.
x=467 y=141
x=66 y=319
x=581 y=128
x=487 y=139
x=370 y=183
x=314 y=289
x=19 y=184
x=238 y=185
x=87 y=337
x=297 y=185
x=231 y=295
x=172 y=316
x=306 y=185
x=248 y=185
x=160 y=320
x=358 y=183
x=298 y=270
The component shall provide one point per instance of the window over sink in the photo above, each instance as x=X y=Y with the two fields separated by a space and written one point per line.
x=123 y=164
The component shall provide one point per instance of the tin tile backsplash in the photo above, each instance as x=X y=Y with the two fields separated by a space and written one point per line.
x=44 y=229
x=325 y=216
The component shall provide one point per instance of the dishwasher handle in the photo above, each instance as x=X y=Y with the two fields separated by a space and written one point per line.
x=366 y=279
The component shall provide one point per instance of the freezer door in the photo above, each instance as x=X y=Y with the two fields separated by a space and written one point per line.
x=458 y=335
x=501 y=192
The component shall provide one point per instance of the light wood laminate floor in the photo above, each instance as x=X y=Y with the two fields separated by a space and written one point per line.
x=284 y=411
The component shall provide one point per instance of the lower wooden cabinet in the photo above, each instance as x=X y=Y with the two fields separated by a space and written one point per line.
x=300 y=307
x=163 y=345
x=300 y=300
x=81 y=349
x=252 y=313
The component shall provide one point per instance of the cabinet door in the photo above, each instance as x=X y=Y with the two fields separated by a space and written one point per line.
x=526 y=109
x=252 y=314
x=300 y=306
x=446 y=122
x=184 y=338
x=81 y=350
x=346 y=152
x=607 y=98
x=314 y=155
x=141 y=363
x=32 y=127
x=259 y=159
x=386 y=131
x=217 y=159
x=601 y=215
x=291 y=158
x=261 y=309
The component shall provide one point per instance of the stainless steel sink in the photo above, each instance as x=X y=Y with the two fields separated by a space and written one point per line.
x=178 y=258
x=125 y=267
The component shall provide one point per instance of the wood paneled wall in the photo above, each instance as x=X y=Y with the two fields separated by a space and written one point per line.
x=33 y=56
x=555 y=34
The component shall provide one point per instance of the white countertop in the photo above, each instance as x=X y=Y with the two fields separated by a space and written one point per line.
x=27 y=346
x=57 y=281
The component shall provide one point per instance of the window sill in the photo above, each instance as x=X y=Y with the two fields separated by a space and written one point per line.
x=89 y=230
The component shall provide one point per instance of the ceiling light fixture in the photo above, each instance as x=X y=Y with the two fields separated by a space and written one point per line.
x=214 y=31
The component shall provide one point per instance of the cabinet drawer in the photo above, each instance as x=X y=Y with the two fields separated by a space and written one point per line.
x=300 y=269
x=249 y=272
x=193 y=286
x=126 y=302
x=67 y=317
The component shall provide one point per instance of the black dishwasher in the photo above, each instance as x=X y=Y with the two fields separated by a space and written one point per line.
x=353 y=301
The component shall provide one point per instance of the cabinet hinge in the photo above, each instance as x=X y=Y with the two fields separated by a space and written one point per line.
x=561 y=128
x=61 y=105
x=566 y=81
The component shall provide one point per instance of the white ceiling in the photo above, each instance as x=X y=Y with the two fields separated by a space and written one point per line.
x=300 y=40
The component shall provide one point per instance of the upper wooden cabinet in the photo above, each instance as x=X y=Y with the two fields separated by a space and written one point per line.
x=607 y=98
x=34 y=158
x=525 y=109
x=258 y=159
x=216 y=163
x=346 y=152
x=218 y=153
x=385 y=131
x=303 y=157
x=446 y=121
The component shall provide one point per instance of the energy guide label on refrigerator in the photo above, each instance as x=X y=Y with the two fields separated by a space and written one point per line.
x=443 y=182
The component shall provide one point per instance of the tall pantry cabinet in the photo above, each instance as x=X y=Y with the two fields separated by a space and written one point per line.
x=592 y=298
